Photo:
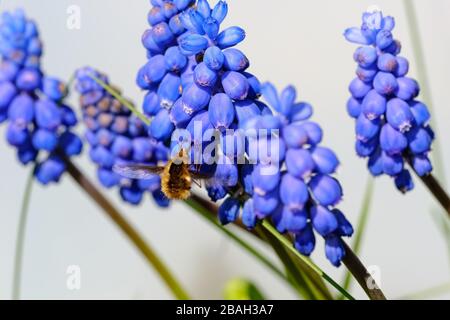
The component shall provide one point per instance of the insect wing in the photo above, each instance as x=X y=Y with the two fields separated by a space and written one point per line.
x=137 y=171
x=200 y=175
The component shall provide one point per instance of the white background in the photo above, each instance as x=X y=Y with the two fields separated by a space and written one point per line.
x=288 y=42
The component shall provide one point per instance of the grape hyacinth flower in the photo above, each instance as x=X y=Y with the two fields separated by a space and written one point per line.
x=39 y=122
x=217 y=95
x=295 y=186
x=194 y=70
x=167 y=68
x=392 y=127
x=115 y=136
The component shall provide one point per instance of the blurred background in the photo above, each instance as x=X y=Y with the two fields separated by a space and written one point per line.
x=288 y=42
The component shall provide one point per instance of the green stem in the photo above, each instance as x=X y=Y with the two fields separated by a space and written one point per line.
x=303 y=286
x=20 y=240
x=195 y=204
x=119 y=97
x=266 y=225
x=361 y=224
x=149 y=254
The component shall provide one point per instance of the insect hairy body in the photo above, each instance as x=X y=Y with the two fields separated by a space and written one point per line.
x=176 y=180
x=176 y=175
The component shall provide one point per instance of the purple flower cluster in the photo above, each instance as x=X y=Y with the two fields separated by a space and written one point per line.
x=195 y=79
x=391 y=124
x=38 y=119
x=115 y=136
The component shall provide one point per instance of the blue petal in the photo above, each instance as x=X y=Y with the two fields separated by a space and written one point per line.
x=305 y=241
x=229 y=211
x=325 y=189
x=230 y=37
x=323 y=220
x=356 y=36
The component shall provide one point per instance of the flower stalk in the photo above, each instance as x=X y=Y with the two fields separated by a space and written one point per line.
x=129 y=231
x=351 y=261
x=438 y=192
x=20 y=240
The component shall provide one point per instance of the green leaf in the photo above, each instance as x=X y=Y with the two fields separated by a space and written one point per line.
x=244 y=244
x=306 y=281
x=288 y=245
x=242 y=289
x=21 y=235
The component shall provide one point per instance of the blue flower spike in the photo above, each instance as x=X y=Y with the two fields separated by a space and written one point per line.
x=391 y=124
x=290 y=175
x=125 y=139
x=39 y=123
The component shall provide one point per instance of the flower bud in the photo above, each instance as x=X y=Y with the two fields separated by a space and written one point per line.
x=235 y=60
x=399 y=115
x=28 y=79
x=325 y=160
x=229 y=210
x=387 y=62
x=366 y=148
x=196 y=97
x=214 y=58
x=305 y=241
x=373 y=105
x=169 y=90
x=366 y=129
x=211 y=28
x=365 y=56
x=47 y=114
x=323 y=220
x=220 y=11
x=221 y=111
x=132 y=194
x=162 y=35
x=403 y=181
x=325 y=189
x=359 y=89
x=294 y=136
x=204 y=76
x=391 y=140
x=422 y=165
x=193 y=43
x=293 y=192
x=419 y=140
x=50 y=170
x=420 y=113
x=392 y=164
x=385 y=83
x=266 y=204
x=384 y=39
x=248 y=214
x=230 y=37
x=407 y=89
x=44 y=140
x=299 y=163
x=235 y=85
x=161 y=127
x=334 y=249
x=21 y=110
x=265 y=178
x=70 y=144
x=175 y=60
